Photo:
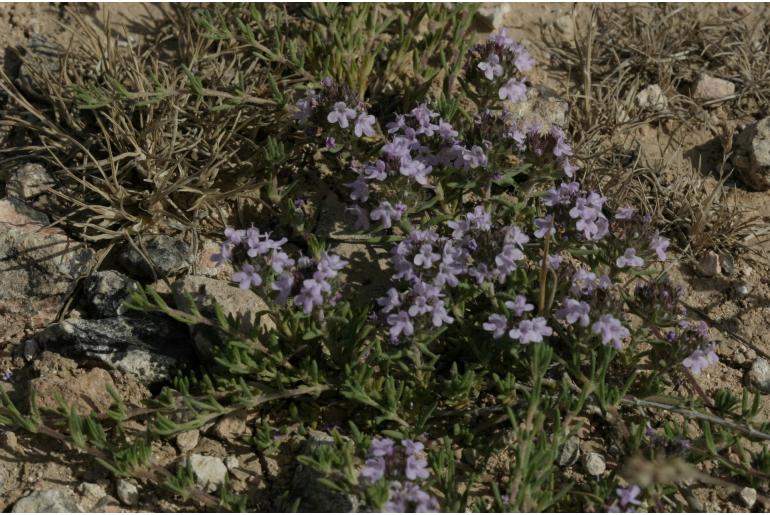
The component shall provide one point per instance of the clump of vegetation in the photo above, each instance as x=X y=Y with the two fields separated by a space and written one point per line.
x=520 y=312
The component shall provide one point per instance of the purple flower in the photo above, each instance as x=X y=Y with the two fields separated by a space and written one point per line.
x=660 y=244
x=496 y=324
x=446 y=131
x=574 y=311
x=519 y=305
x=330 y=142
x=341 y=114
x=375 y=171
x=625 y=213
x=416 y=169
x=7 y=375
x=516 y=236
x=397 y=125
x=311 y=294
x=306 y=106
x=224 y=255
x=530 y=331
x=247 y=277
x=544 y=226
x=426 y=257
x=583 y=282
x=409 y=498
x=491 y=67
x=569 y=168
x=235 y=236
x=360 y=189
x=373 y=470
x=629 y=258
x=282 y=284
x=555 y=261
x=474 y=157
x=400 y=323
x=439 y=315
x=416 y=468
x=501 y=38
x=506 y=260
x=611 y=330
x=280 y=261
x=701 y=358
x=629 y=495
x=381 y=447
x=387 y=213
x=390 y=301
x=514 y=90
x=363 y=125
x=524 y=62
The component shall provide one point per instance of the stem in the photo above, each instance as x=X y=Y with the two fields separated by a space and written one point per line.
x=544 y=272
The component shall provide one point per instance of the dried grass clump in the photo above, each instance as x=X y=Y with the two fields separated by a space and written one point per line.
x=620 y=50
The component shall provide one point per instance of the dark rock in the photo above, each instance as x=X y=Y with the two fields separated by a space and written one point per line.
x=106 y=292
x=150 y=347
x=166 y=254
x=751 y=155
x=38 y=268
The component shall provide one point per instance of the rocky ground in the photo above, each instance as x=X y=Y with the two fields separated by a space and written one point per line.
x=64 y=332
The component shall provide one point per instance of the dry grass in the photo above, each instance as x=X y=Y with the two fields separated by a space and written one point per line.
x=619 y=50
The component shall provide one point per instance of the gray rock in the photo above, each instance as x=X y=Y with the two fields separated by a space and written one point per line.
x=759 y=376
x=127 y=491
x=491 y=16
x=187 y=440
x=709 y=265
x=210 y=472
x=30 y=350
x=48 y=501
x=652 y=98
x=166 y=254
x=92 y=490
x=712 y=88
x=569 y=452
x=742 y=290
x=313 y=495
x=231 y=462
x=38 y=268
x=150 y=347
x=594 y=463
x=105 y=293
x=748 y=496
x=28 y=181
x=751 y=155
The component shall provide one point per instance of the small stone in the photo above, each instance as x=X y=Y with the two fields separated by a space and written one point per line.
x=748 y=496
x=711 y=88
x=728 y=263
x=741 y=290
x=569 y=452
x=229 y=428
x=128 y=492
x=210 y=472
x=231 y=462
x=565 y=25
x=106 y=292
x=759 y=376
x=51 y=500
x=29 y=181
x=107 y=504
x=751 y=155
x=9 y=440
x=91 y=490
x=709 y=265
x=594 y=464
x=30 y=349
x=166 y=254
x=652 y=98
x=187 y=440
x=492 y=15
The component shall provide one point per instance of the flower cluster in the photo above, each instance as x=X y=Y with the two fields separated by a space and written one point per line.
x=402 y=466
x=337 y=109
x=263 y=262
x=499 y=65
x=430 y=265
